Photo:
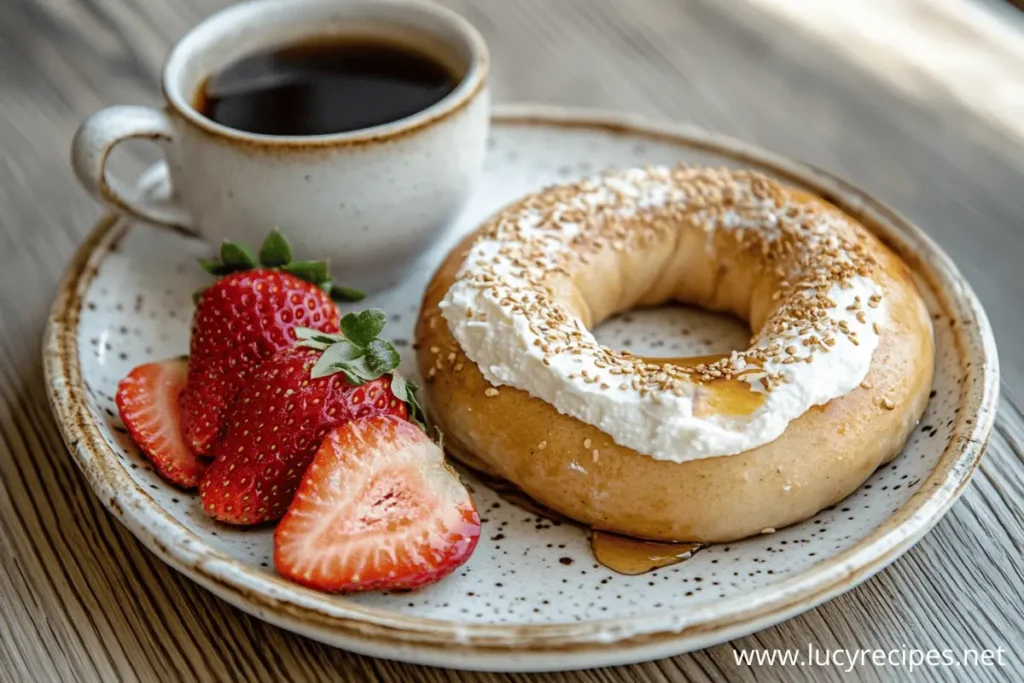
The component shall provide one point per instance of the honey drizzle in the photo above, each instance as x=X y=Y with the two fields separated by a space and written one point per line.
x=730 y=397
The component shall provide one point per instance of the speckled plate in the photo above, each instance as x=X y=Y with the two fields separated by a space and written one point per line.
x=531 y=597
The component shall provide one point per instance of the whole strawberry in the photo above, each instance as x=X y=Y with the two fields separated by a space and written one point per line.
x=289 y=404
x=249 y=314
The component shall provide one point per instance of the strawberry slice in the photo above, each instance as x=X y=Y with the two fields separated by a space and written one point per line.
x=378 y=509
x=147 y=400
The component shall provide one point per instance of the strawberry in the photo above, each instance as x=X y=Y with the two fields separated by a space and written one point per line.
x=378 y=509
x=147 y=400
x=288 y=405
x=243 y=319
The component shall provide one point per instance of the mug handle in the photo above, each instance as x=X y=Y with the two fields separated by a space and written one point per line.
x=96 y=138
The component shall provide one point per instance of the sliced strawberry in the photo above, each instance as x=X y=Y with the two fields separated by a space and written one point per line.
x=274 y=429
x=378 y=509
x=147 y=400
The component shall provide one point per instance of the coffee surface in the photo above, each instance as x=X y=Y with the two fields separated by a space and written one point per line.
x=324 y=87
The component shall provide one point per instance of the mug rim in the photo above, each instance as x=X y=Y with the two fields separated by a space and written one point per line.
x=472 y=82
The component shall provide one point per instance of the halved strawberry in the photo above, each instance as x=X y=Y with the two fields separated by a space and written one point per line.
x=378 y=509
x=147 y=400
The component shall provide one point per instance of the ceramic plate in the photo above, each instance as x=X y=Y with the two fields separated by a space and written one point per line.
x=531 y=597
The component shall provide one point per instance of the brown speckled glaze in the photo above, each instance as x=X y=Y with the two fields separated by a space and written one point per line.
x=532 y=597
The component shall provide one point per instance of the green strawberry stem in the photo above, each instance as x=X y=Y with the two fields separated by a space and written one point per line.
x=362 y=356
x=276 y=253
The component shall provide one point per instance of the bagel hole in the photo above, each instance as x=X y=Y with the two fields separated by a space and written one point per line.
x=671 y=331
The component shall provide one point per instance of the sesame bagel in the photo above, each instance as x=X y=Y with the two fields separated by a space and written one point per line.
x=706 y=449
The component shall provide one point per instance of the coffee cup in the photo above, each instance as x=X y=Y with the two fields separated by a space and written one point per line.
x=370 y=200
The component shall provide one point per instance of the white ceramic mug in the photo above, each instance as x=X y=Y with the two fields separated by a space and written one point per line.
x=370 y=200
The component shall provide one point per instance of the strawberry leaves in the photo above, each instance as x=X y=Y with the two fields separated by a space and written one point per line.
x=357 y=352
x=313 y=272
x=363 y=327
x=233 y=258
x=342 y=293
x=275 y=253
x=381 y=357
x=404 y=390
x=361 y=355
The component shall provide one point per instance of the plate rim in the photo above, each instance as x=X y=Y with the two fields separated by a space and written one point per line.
x=537 y=646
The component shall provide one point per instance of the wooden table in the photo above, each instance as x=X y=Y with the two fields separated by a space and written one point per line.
x=925 y=111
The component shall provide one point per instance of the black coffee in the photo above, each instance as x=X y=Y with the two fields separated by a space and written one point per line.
x=324 y=87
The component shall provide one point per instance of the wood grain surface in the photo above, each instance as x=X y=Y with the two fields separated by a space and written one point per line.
x=80 y=599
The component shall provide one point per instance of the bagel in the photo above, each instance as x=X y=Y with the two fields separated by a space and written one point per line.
x=707 y=449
